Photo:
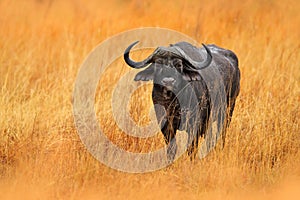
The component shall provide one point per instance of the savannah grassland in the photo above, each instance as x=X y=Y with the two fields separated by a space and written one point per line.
x=42 y=45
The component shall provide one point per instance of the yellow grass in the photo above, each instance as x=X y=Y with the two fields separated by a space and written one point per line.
x=43 y=43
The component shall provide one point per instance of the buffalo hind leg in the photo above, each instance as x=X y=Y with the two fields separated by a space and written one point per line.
x=227 y=123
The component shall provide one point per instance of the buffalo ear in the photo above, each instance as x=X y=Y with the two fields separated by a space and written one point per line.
x=192 y=76
x=145 y=75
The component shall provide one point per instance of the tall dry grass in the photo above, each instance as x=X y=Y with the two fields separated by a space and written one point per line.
x=43 y=44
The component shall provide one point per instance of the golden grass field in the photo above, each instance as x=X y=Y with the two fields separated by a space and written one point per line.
x=43 y=44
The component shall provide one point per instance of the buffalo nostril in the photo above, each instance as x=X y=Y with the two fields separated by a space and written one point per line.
x=168 y=81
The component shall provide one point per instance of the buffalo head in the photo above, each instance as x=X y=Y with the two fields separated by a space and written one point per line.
x=169 y=67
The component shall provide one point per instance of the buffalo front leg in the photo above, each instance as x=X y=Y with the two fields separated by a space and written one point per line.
x=192 y=149
x=169 y=133
x=193 y=140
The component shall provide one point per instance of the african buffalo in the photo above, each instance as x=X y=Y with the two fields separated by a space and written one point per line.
x=180 y=94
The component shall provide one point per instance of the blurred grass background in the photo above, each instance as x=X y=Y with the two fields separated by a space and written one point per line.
x=43 y=43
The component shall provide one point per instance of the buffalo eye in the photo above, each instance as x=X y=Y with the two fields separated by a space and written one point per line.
x=158 y=64
x=177 y=63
